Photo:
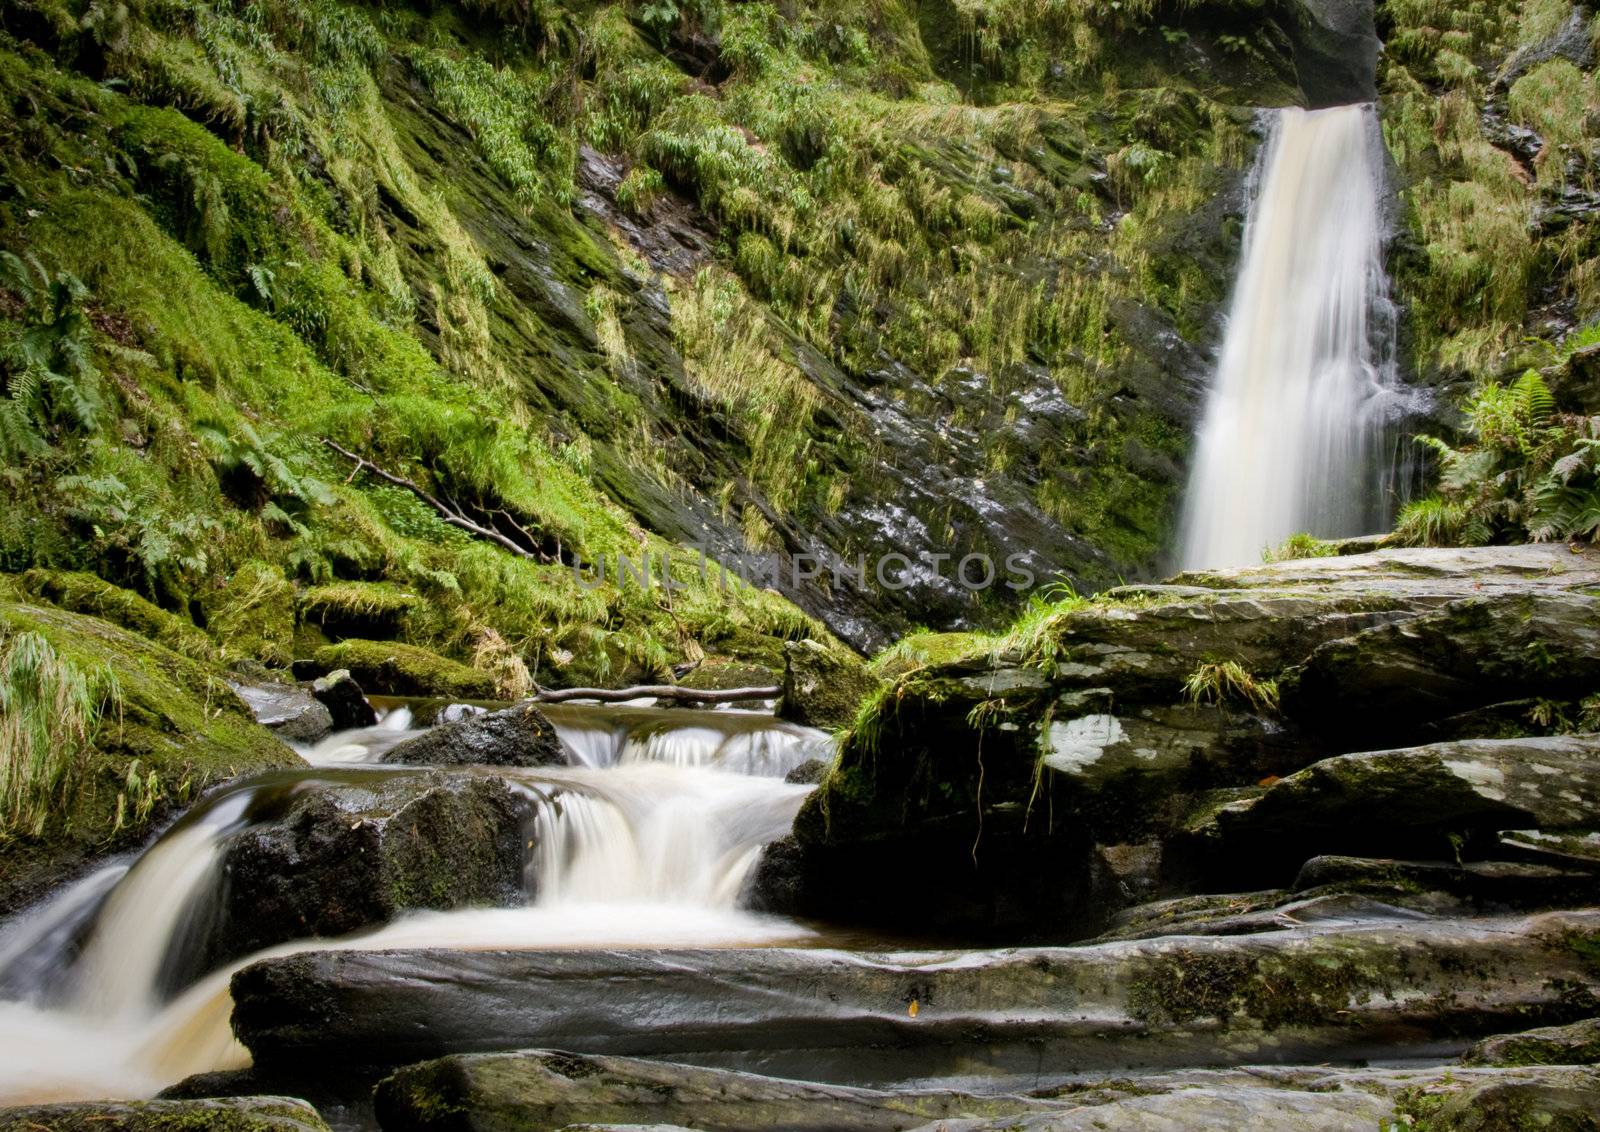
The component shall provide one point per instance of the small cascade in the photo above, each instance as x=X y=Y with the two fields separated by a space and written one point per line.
x=646 y=842
x=1292 y=436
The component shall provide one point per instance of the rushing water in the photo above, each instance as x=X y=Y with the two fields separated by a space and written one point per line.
x=646 y=840
x=1293 y=436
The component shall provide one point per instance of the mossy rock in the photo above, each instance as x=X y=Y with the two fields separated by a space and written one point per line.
x=720 y=672
x=251 y=615
x=86 y=593
x=228 y=1114
x=824 y=686
x=336 y=856
x=368 y=610
x=387 y=668
x=175 y=717
x=1574 y=1044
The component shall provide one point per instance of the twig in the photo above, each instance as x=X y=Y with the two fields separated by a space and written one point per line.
x=452 y=514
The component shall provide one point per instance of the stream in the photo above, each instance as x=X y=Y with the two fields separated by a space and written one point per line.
x=645 y=841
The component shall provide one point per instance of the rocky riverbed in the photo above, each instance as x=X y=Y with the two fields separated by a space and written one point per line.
x=1314 y=845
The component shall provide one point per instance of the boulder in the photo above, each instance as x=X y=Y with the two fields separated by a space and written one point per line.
x=230 y=1114
x=292 y=712
x=1406 y=803
x=389 y=668
x=344 y=699
x=1313 y=992
x=177 y=726
x=808 y=773
x=333 y=854
x=545 y=1089
x=1575 y=1044
x=515 y=736
x=1386 y=684
x=823 y=686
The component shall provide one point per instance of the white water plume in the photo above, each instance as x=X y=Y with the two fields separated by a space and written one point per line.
x=1291 y=437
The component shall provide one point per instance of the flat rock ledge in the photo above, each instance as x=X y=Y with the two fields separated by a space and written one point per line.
x=554 y=1089
x=1338 y=990
x=226 y=1114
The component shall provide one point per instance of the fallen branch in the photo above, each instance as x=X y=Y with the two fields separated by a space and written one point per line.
x=452 y=514
x=658 y=691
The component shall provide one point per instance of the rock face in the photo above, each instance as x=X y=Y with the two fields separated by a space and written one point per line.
x=1339 y=988
x=1335 y=49
x=332 y=855
x=292 y=712
x=233 y=1114
x=516 y=736
x=545 y=1089
x=1036 y=784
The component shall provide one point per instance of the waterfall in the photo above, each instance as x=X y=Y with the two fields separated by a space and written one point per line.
x=1291 y=437
x=647 y=842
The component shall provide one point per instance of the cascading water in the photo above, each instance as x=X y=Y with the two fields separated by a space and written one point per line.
x=647 y=842
x=1292 y=435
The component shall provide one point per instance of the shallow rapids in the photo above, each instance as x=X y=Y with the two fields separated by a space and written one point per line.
x=647 y=841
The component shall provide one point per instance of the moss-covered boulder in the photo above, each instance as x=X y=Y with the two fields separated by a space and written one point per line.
x=171 y=726
x=231 y=1114
x=1575 y=1044
x=392 y=669
x=86 y=593
x=823 y=686
x=515 y=736
x=331 y=855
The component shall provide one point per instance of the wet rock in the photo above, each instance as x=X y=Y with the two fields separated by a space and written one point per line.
x=332 y=855
x=1562 y=847
x=808 y=773
x=1408 y=802
x=1335 y=50
x=515 y=736
x=232 y=1114
x=1497 y=884
x=1575 y=1044
x=1221 y=1108
x=1333 y=990
x=391 y=669
x=823 y=686
x=546 y=1089
x=291 y=711
x=1387 y=683
x=1316 y=1098
x=344 y=699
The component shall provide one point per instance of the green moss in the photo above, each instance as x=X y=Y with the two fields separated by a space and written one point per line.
x=251 y=615
x=388 y=668
x=85 y=593
x=175 y=727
